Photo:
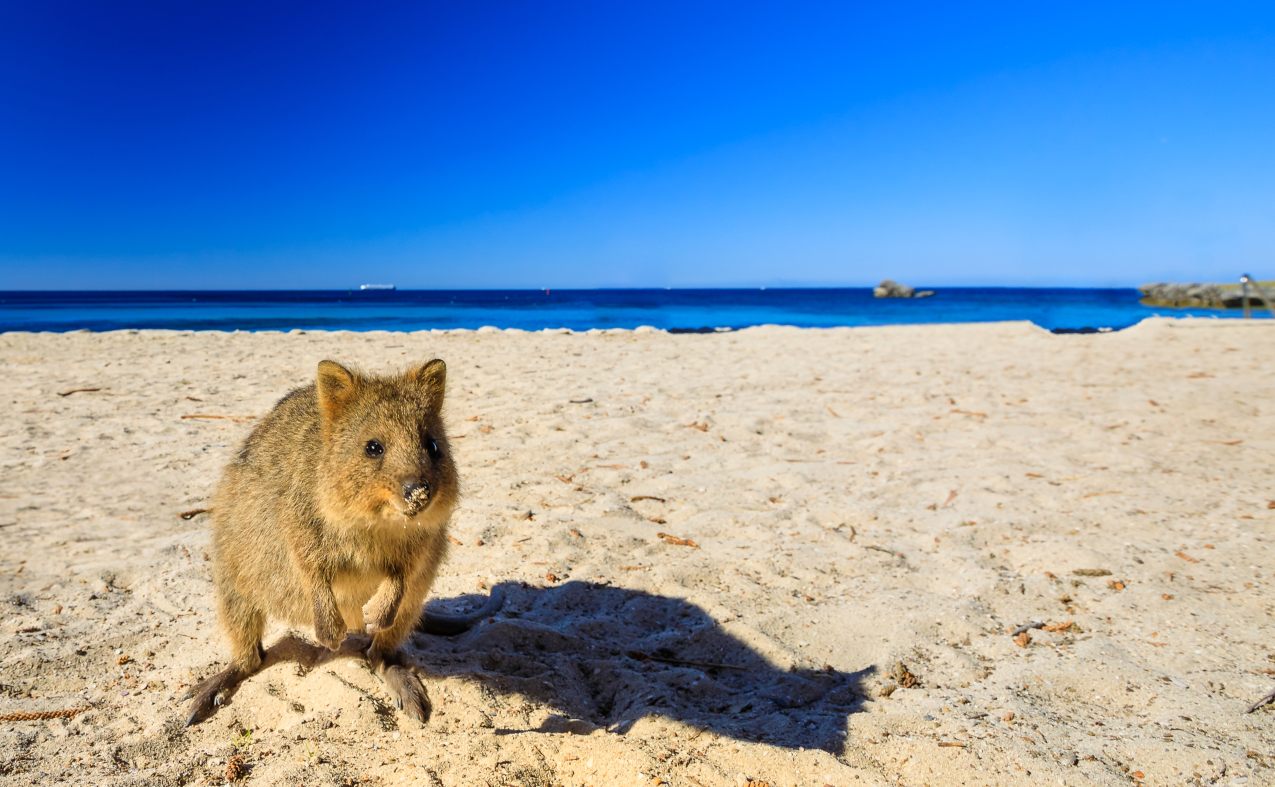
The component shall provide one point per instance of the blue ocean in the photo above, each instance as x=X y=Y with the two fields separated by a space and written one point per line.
x=1073 y=309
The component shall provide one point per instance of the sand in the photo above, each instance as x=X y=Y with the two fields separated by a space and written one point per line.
x=872 y=511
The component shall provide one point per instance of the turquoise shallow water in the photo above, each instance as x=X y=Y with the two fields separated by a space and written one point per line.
x=1054 y=309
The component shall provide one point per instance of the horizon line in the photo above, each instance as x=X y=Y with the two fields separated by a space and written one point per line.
x=596 y=289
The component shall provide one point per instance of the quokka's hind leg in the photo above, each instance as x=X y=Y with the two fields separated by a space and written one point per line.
x=387 y=659
x=406 y=689
x=245 y=625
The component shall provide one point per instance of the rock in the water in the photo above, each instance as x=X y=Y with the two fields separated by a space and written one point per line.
x=892 y=289
x=1197 y=296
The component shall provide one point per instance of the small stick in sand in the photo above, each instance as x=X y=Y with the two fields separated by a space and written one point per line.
x=1091 y=572
x=1265 y=700
x=78 y=390
x=636 y=498
x=239 y=419
x=951 y=744
x=669 y=538
x=586 y=400
x=889 y=552
x=1026 y=627
x=40 y=715
x=194 y=512
x=1100 y=494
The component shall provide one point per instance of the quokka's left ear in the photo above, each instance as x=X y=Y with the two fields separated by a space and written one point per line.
x=432 y=377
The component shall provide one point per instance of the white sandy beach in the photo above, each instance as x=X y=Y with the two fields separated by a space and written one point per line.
x=872 y=510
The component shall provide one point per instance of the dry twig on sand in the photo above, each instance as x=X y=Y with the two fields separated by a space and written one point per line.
x=1026 y=627
x=669 y=538
x=41 y=715
x=889 y=552
x=1267 y=699
x=239 y=419
x=1103 y=493
x=78 y=390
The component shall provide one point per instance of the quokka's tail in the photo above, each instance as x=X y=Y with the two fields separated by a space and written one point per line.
x=450 y=625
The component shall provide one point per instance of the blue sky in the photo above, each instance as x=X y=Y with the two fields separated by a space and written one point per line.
x=266 y=145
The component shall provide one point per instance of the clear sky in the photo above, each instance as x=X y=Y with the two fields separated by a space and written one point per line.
x=468 y=144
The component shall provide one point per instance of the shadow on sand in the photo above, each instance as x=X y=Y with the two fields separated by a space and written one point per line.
x=606 y=656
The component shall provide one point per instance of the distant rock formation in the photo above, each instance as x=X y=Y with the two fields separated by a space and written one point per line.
x=892 y=289
x=1197 y=296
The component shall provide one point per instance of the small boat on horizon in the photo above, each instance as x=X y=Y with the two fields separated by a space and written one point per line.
x=366 y=287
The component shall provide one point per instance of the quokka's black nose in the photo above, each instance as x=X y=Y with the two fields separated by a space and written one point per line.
x=413 y=490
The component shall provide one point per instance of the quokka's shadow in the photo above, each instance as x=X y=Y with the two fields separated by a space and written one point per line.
x=606 y=656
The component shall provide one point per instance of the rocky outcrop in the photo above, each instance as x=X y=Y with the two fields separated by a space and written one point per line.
x=892 y=289
x=1197 y=296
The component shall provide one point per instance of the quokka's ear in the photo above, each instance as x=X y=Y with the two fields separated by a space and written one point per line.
x=432 y=378
x=336 y=386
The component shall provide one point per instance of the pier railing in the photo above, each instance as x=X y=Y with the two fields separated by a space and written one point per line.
x=1247 y=281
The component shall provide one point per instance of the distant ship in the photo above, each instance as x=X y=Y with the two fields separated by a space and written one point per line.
x=366 y=287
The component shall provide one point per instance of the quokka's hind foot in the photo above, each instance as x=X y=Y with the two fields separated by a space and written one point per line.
x=406 y=689
x=211 y=693
x=408 y=692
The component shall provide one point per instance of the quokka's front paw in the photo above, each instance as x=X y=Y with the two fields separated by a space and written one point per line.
x=381 y=614
x=329 y=628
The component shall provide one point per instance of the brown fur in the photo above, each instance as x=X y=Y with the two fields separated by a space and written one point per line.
x=308 y=529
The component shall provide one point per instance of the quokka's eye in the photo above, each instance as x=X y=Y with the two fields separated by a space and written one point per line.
x=431 y=445
x=373 y=449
